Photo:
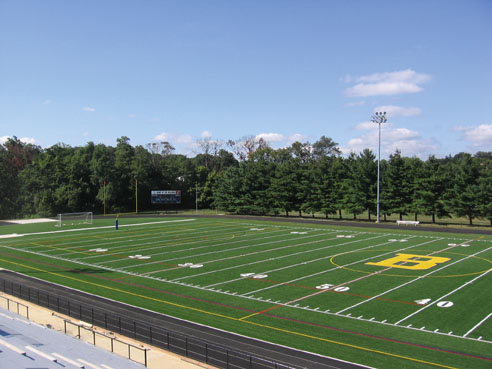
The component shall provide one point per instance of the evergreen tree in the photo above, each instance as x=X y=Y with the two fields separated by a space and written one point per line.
x=398 y=191
x=464 y=199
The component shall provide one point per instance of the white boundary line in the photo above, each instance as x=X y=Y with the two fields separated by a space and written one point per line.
x=413 y=280
x=449 y=293
x=305 y=308
x=346 y=265
x=105 y=227
x=477 y=325
x=285 y=256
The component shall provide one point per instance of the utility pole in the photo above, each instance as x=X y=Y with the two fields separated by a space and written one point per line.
x=379 y=118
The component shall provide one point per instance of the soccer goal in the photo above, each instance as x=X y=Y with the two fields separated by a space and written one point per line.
x=74 y=218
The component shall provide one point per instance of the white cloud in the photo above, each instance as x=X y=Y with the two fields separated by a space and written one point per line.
x=206 y=134
x=398 y=111
x=297 y=137
x=271 y=137
x=85 y=134
x=174 y=138
x=408 y=141
x=162 y=137
x=26 y=140
x=279 y=140
x=89 y=109
x=184 y=139
x=477 y=136
x=389 y=83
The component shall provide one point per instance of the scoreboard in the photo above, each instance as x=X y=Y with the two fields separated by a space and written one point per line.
x=166 y=197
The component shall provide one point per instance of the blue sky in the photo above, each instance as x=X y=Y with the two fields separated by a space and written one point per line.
x=181 y=71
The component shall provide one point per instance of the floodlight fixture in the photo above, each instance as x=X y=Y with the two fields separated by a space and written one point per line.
x=379 y=118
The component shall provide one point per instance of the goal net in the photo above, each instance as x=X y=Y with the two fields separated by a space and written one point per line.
x=74 y=218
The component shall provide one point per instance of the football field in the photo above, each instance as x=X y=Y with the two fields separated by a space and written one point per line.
x=381 y=298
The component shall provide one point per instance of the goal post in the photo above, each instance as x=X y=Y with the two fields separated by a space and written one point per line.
x=65 y=219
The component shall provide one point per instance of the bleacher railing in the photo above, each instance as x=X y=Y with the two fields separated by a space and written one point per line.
x=190 y=347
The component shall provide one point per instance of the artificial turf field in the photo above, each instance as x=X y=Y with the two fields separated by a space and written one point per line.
x=381 y=298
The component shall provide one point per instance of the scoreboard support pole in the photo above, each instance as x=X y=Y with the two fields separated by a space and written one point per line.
x=136 y=196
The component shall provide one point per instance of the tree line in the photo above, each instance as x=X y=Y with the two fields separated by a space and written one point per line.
x=244 y=176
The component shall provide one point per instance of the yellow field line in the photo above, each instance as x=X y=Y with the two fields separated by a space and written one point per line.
x=237 y=319
x=60 y=248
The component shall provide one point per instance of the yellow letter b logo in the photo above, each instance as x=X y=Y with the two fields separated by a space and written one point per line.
x=411 y=261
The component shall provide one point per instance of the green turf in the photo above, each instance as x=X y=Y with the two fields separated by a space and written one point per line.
x=263 y=279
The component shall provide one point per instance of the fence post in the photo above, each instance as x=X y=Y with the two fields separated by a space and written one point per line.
x=227 y=359
x=186 y=346
x=150 y=335
x=135 y=329
x=206 y=353
x=168 y=340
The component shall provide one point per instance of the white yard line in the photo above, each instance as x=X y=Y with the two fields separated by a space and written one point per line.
x=90 y=241
x=105 y=227
x=406 y=283
x=341 y=266
x=449 y=293
x=270 y=259
x=222 y=251
x=477 y=325
x=160 y=239
x=185 y=250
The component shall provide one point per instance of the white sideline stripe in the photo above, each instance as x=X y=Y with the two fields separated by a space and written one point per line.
x=343 y=266
x=88 y=364
x=42 y=354
x=477 y=325
x=106 y=227
x=232 y=249
x=145 y=241
x=411 y=281
x=271 y=259
x=295 y=265
x=106 y=234
x=70 y=361
x=196 y=237
x=195 y=248
x=12 y=347
x=247 y=254
x=449 y=293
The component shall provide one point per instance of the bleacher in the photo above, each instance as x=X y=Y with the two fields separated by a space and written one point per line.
x=24 y=344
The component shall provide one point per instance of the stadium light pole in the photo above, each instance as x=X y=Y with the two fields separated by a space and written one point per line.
x=379 y=118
